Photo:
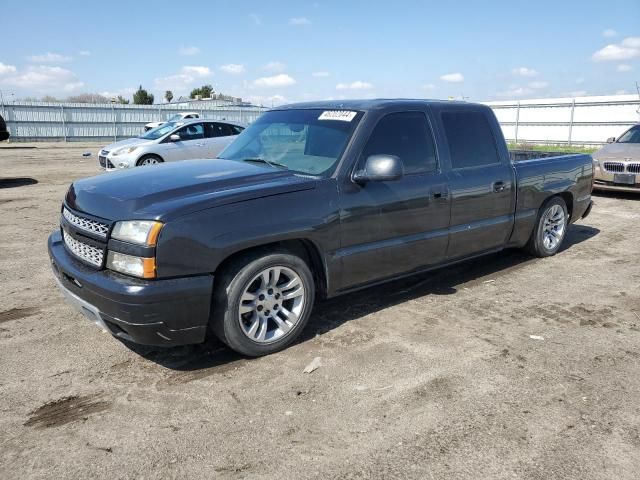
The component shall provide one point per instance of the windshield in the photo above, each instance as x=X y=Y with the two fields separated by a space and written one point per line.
x=160 y=131
x=305 y=141
x=630 y=136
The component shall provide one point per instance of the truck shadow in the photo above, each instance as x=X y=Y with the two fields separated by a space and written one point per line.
x=446 y=281
x=213 y=357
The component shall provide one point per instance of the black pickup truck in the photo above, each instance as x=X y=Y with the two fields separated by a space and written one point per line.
x=4 y=131
x=311 y=201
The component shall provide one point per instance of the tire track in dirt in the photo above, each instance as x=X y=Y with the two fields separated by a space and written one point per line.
x=66 y=410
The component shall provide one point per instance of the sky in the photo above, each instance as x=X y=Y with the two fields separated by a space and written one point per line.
x=288 y=51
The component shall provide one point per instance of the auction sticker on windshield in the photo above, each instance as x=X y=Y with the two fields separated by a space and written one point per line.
x=342 y=115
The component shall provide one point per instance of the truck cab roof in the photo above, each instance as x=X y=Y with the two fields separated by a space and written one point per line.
x=372 y=104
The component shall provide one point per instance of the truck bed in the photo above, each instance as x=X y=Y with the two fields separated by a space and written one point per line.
x=538 y=178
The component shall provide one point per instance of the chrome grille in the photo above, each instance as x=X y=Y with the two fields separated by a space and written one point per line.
x=83 y=251
x=86 y=224
x=614 y=167
x=633 y=168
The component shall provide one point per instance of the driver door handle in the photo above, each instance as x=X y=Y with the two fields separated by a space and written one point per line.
x=499 y=186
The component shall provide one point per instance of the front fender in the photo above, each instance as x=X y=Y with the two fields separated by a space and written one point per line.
x=199 y=242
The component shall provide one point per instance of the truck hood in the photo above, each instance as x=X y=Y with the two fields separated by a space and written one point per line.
x=125 y=143
x=170 y=190
x=618 y=151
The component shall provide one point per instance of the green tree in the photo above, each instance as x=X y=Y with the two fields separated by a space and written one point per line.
x=168 y=96
x=122 y=100
x=205 y=91
x=142 y=97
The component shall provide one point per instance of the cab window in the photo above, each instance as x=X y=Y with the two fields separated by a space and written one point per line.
x=406 y=135
x=219 y=130
x=191 y=132
x=470 y=139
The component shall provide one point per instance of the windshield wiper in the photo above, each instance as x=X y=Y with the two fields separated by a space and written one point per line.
x=267 y=162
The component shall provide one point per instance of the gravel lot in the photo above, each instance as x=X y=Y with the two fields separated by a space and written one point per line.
x=436 y=377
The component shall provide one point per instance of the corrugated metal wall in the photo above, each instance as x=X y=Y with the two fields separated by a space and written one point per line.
x=581 y=120
x=41 y=121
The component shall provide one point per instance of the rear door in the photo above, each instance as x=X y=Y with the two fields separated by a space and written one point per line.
x=481 y=181
x=219 y=135
x=391 y=228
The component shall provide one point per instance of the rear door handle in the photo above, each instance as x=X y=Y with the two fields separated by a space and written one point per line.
x=440 y=194
x=499 y=186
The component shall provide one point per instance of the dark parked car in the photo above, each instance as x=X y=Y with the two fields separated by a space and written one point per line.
x=4 y=133
x=311 y=201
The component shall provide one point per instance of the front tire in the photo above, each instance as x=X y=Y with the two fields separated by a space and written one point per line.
x=550 y=228
x=262 y=301
x=148 y=160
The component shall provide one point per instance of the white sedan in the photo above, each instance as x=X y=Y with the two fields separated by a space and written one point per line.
x=174 y=118
x=172 y=141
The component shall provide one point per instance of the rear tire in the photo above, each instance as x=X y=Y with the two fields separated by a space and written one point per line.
x=550 y=228
x=148 y=160
x=262 y=302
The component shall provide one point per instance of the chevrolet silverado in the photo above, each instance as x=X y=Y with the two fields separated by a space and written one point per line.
x=311 y=201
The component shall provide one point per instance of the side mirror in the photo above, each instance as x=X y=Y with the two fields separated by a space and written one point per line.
x=380 y=168
x=611 y=139
x=174 y=137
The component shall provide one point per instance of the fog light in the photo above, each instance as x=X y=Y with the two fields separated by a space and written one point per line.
x=140 y=267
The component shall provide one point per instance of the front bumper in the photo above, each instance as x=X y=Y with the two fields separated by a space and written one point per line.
x=151 y=312
x=615 y=187
x=119 y=162
x=606 y=180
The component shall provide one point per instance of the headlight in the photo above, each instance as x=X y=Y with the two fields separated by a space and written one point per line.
x=135 y=266
x=140 y=232
x=123 y=151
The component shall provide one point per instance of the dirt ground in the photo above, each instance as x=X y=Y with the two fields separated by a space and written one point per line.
x=505 y=367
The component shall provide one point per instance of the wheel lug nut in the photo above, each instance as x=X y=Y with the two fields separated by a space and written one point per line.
x=270 y=291
x=259 y=308
x=277 y=295
x=275 y=307
x=260 y=297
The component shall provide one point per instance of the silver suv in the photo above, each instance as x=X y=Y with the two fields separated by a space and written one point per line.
x=171 y=141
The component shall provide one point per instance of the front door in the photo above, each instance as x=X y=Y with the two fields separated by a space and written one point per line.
x=395 y=227
x=191 y=144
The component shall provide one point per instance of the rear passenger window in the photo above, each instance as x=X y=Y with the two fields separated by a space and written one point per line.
x=219 y=130
x=470 y=139
x=406 y=135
